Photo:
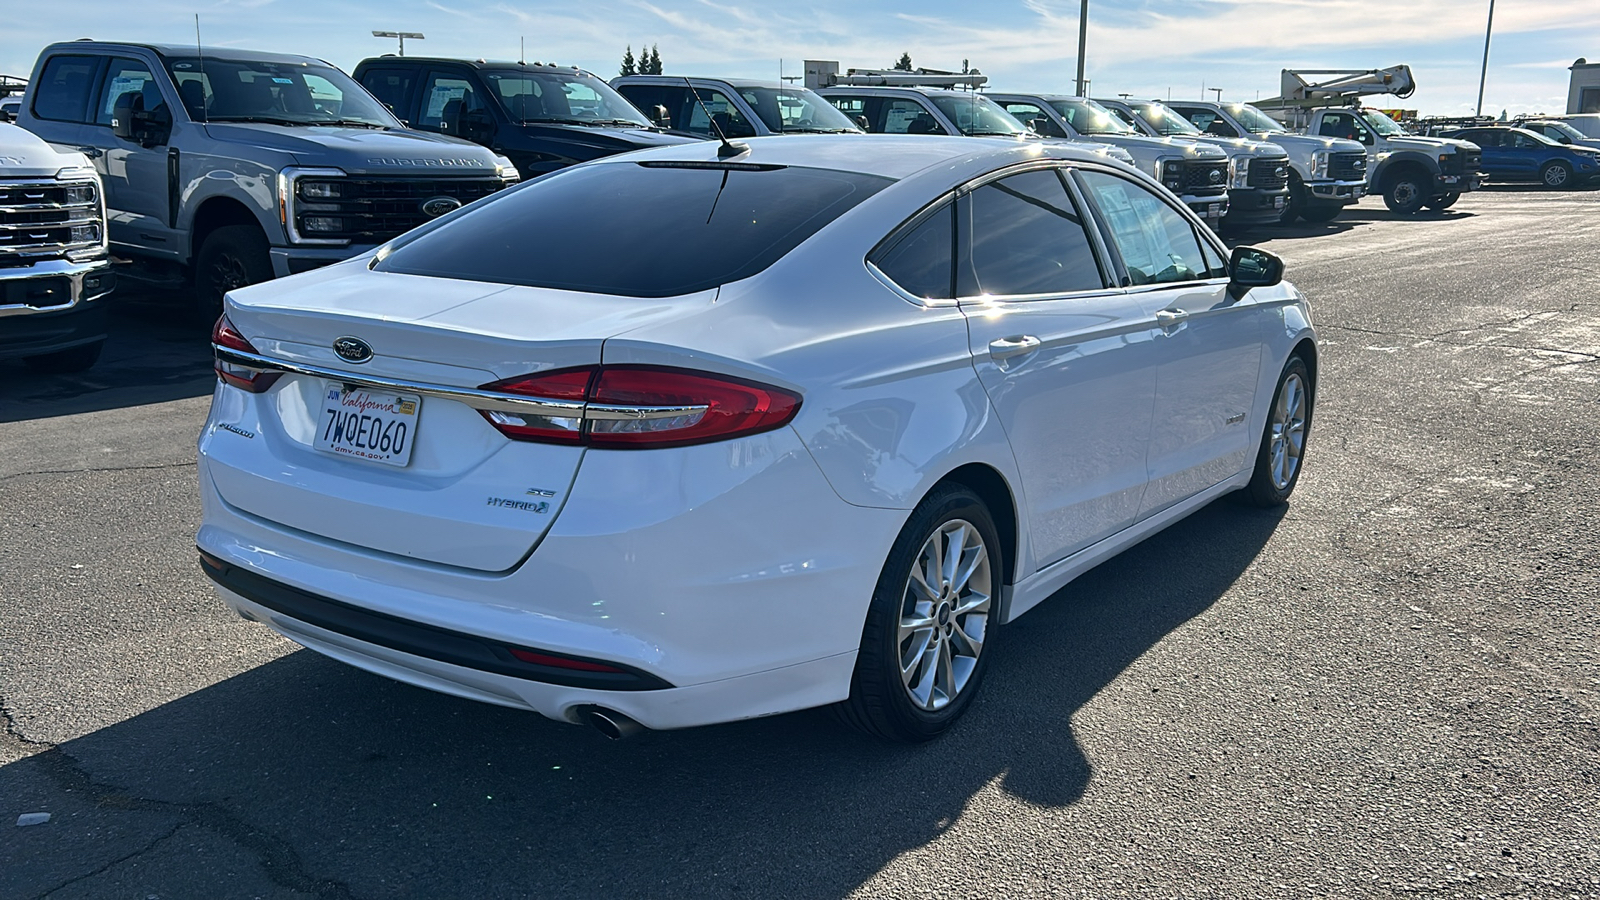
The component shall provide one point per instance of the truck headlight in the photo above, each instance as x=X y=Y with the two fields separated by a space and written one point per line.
x=1239 y=171
x=324 y=224
x=81 y=194
x=1319 y=163
x=85 y=234
x=321 y=190
x=303 y=194
x=1170 y=171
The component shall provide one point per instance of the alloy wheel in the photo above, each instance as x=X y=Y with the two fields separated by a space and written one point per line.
x=228 y=273
x=1555 y=176
x=1288 y=431
x=944 y=616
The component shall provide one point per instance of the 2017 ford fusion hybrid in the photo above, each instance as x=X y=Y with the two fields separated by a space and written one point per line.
x=711 y=432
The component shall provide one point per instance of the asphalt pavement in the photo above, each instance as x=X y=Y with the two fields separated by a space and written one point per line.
x=1390 y=688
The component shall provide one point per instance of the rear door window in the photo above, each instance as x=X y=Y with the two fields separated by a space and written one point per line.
x=1027 y=237
x=62 y=94
x=921 y=260
x=649 y=229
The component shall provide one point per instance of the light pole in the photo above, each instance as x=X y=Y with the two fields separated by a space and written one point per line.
x=1083 y=45
x=1488 y=32
x=1218 y=93
x=402 y=35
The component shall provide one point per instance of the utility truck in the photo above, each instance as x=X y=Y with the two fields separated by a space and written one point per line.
x=1410 y=171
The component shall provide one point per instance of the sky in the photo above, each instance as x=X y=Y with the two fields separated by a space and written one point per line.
x=1147 y=48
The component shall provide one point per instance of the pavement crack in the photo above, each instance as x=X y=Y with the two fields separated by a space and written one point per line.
x=278 y=860
x=182 y=465
x=111 y=864
x=11 y=736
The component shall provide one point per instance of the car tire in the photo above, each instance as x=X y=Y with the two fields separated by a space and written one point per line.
x=1405 y=194
x=1295 y=206
x=231 y=257
x=1321 y=212
x=72 y=359
x=1556 y=176
x=952 y=617
x=1283 y=440
x=1444 y=201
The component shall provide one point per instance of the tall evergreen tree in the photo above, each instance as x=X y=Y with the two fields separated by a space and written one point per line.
x=655 y=59
x=904 y=64
x=628 y=66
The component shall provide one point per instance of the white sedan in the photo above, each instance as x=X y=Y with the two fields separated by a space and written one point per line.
x=712 y=432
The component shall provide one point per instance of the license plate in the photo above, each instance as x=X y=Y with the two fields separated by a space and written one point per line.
x=1277 y=203
x=1215 y=210
x=376 y=426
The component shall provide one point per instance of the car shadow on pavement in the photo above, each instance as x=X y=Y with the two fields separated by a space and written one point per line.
x=155 y=352
x=337 y=783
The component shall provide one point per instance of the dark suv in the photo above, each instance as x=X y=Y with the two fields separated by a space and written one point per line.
x=541 y=117
x=1517 y=154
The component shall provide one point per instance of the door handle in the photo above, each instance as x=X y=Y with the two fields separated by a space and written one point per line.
x=1171 y=318
x=91 y=152
x=1005 y=348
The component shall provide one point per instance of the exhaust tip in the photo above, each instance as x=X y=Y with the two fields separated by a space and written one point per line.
x=611 y=723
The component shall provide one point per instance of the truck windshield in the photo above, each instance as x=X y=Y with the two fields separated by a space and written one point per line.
x=978 y=116
x=226 y=89
x=1089 y=117
x=792 y=109
x=1381 y=123
x=1254 y=120
x=1164 y=120
x=1571 y=134
x=573 y=98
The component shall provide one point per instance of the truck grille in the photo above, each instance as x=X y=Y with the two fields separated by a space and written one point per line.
x=1460 y=163
x=48 y=219
x=373 y=210
x=1269 y=173
x=1205 y=177
x=1348 y=166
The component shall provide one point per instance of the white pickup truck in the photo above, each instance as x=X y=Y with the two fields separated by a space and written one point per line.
x=1410 y=171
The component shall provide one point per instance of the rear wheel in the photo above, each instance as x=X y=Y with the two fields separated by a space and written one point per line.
x=1444 y=201
x=1556 y=175
x=932 y=618
x=1283 y=445
x=72 y=359
x=1404 y=193
x=231 y=257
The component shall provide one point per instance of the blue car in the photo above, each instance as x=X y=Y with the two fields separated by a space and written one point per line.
x=1517 y=154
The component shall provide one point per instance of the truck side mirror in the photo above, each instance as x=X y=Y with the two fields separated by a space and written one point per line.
x=661 y=118
x=1252 y=267
x=130 y=121
x=861 y=122
x=122 y=112
x=477 y=126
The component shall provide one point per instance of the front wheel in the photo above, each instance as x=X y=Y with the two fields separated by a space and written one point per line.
x=231 y=257
x=1444 y=201
x=1295 y=206
x=1556 y=176
x=1283 y=444
x=930 y=623
x=1405 y=194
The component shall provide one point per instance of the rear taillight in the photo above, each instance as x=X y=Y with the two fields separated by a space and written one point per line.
x=225 y=337
x=635 y=407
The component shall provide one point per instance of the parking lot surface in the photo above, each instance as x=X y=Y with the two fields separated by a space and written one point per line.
x=1391 y=688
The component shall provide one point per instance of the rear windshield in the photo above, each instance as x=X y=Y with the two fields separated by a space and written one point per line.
x=647 y=229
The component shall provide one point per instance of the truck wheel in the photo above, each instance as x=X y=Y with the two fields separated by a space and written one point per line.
x=72 y=359
x=231 y=257
x=1322 y=212
x=1444 y=201
x=1556 y=175
x=1405 y=194
x=1295 y=207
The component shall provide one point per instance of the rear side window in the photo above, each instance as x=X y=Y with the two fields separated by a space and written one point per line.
x=1028 y=238
x=922 y=260
x=653 y=229
x=62 y=93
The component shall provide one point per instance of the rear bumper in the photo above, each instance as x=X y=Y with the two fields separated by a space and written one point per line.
x=728 y=577
x=52 y=306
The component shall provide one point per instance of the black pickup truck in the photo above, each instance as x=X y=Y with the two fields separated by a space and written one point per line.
x=541 y=117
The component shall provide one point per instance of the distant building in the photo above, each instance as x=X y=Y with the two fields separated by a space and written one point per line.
x=1584 y=95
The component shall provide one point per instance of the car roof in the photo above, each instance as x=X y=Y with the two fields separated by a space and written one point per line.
x=471 y=63
x=187 y=50
x=894 y=156
x=892 y=89
x=717 y=79
x=1037 y=96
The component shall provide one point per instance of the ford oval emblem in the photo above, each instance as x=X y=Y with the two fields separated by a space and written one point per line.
x=434 y=207
x=1216 y=176
x=1281 y=172
x=352 y=349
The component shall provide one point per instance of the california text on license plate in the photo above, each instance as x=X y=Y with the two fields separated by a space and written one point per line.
x=378 y=426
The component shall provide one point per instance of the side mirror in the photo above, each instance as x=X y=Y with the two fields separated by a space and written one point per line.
x=122 y=112
x=861 y=122
x=1252 y=267
x=477 y=126
x=661 y=118
x=154 y=126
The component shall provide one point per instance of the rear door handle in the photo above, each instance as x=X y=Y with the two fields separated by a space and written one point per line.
x=1006 y=348
x=91 y=152
x=1171 y=318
